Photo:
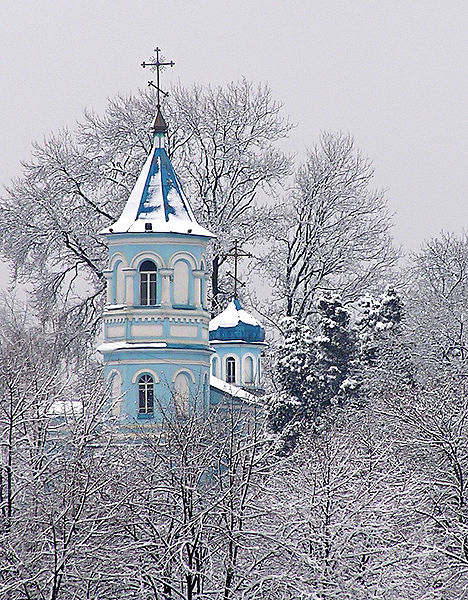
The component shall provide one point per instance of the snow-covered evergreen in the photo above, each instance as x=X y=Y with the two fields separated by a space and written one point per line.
x=314 y=369
x=376 y=316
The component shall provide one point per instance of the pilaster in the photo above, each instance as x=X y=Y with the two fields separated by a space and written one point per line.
x=166 y=276
x=198 y=275
x=108 y=277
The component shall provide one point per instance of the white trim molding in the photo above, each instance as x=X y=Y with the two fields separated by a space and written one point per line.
x=187 y=372
x=145 y=371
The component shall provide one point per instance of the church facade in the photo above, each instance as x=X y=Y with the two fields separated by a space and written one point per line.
x=161 y=354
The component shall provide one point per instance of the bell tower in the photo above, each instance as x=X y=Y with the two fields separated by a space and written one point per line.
x=156 y=343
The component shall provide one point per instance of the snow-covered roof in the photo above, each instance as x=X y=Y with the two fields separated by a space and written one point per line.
x=157 y=202
x=236 y=324
x=232 y=390
x=113 y=346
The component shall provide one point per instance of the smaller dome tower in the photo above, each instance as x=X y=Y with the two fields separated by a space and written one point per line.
x=238 y=340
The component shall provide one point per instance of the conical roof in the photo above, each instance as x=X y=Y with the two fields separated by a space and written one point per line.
x=236 y=324
x=159 y=123
x=157 y=202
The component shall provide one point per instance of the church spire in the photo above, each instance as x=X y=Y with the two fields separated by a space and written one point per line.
x=157 y=202
x=159 y=123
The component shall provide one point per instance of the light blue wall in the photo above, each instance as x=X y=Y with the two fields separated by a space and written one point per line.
x=163 y=365
x=164 y=244
x=132 y=333
x=240 y=351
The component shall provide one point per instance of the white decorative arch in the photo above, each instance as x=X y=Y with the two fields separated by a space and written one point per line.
x=147 y=255
x=182 y=282
x=185 y=371
x=215 y=365
x=182 y=394
x=244 y=368
x=118 y=256
x=182 y=255
x=145 y=372
x=111 y=375
x=114 y=381
x=118 y=282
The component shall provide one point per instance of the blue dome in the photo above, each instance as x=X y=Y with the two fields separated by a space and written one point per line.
x=234 y=324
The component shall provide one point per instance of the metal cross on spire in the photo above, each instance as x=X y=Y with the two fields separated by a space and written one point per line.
x=158 y=64
x=159 y=124
x=236 y=253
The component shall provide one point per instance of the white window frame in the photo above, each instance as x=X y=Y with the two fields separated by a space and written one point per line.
x=231 y=360
x=145 y=393
x=148 y=279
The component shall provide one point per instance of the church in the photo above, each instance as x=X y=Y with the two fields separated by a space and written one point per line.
x=162 y=354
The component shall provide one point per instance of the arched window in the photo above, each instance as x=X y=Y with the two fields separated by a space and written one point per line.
x=145 y=395
x=181 y=396
x=215 y=366
x=148 y=275
x=249 y=370
x=230 y=369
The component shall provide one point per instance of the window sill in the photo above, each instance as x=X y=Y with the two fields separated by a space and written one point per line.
x=148 y=305
x=184 y=306
x=145 y=416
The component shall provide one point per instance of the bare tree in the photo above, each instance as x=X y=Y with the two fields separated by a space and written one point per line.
x=334 y=234
x=371 y=504
x=340 y=507
x=425 y=420
x=51 y=218
x=90 y=511
x=418 y=384
x=224 y=146
x=49 y=482
x=222 y=141
x=438 y=305
x=29 y=366
x=188 y=526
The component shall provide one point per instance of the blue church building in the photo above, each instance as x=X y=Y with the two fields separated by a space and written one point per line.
x=161 y=354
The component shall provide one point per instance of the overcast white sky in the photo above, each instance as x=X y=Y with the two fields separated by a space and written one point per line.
x=392 y=73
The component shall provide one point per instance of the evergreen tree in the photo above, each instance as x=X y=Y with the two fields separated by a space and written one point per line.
x=313 y=372
x=377 y=316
